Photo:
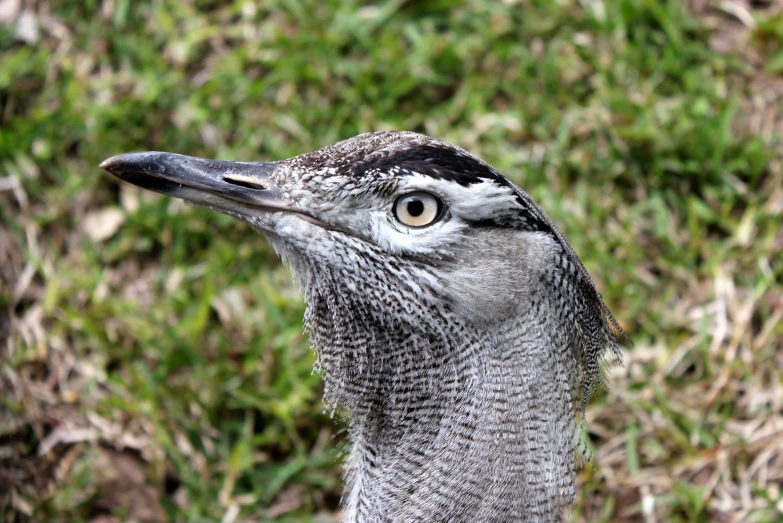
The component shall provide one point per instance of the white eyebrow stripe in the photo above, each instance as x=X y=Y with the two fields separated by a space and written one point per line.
x=484 y=200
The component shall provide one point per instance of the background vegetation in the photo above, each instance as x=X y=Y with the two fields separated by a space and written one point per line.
x=153 y=361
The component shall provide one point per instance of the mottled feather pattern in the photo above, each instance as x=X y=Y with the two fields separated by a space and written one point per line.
x=401 y=152
x=464 y=353
x=453 y=323
x=466 y=364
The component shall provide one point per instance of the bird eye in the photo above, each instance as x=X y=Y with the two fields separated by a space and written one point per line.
x=417 y=209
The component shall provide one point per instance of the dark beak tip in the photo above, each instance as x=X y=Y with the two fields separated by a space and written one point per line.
x=142 y=162
x=120 y=161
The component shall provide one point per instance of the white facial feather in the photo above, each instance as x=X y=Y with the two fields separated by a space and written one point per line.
x=366 y=215
x=485 y=200
x=481 y=288
x=463 y=204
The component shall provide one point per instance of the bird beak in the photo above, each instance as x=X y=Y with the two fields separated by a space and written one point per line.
x=243 y=187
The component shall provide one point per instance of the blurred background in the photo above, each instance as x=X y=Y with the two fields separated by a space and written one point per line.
x=152 y=360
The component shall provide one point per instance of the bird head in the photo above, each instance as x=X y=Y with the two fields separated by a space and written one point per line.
x=396 y=236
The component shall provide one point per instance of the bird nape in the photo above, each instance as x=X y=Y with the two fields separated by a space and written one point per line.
x=450 y=317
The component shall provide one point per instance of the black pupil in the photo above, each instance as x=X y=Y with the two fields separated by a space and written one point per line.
x=415 y=208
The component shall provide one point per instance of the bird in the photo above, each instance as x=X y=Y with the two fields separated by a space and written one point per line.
x=451 y=319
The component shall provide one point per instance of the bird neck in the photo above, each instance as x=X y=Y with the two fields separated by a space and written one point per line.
x=480 y=429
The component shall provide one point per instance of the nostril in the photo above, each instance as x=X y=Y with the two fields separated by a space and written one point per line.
x=245 y=181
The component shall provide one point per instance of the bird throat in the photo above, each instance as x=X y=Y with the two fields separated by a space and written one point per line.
x=449 y=422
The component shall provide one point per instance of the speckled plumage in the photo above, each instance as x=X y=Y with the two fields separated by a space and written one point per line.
x=464 y=352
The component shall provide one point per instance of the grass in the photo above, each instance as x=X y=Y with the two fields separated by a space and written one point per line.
x=155 y=365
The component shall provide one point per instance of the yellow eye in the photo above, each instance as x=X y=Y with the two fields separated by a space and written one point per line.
x=417 y=209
